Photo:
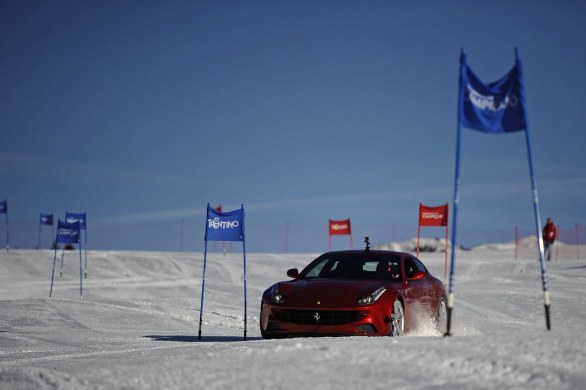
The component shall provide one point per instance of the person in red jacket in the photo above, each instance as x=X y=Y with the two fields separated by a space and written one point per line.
x=550 y=234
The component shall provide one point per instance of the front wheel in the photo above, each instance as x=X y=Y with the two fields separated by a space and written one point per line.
x=441 y=314
x=397 y=324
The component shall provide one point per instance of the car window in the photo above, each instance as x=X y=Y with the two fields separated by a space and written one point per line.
x=354 y=267
x=317 y=269
x=412 y=265
x=420 y=266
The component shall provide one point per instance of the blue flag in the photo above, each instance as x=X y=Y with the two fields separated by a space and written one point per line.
x=4 y=207
x=47 y=219
x=497 y=107
x=225 y=226
x=76 y=217
x=68 y=233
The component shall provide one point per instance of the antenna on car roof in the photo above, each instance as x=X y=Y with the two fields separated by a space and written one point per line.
x=367 y=242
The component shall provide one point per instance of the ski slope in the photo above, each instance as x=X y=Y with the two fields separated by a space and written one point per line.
x=136 y=327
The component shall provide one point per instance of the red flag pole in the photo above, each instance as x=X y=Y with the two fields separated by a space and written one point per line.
x=418 y=229
x=446 y=259
x=418 y=235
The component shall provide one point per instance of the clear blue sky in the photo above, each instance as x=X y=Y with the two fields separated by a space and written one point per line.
x=141 y=112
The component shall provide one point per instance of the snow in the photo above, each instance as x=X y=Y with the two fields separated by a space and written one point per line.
x=136 y=327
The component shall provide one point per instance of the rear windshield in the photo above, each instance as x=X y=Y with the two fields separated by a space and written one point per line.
x=336 y=266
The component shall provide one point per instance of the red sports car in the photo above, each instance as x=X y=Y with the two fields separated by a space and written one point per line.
x=355 y=292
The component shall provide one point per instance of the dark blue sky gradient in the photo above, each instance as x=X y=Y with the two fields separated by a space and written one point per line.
x=142 y=112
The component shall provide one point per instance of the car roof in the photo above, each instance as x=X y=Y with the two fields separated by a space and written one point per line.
x=371 y=252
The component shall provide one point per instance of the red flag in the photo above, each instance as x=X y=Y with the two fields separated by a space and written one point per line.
x=339 y=228
x=433 y=216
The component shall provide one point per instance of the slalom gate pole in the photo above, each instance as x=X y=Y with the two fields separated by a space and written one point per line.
x=80 y=274
x=7 y=233
x=447 y=248
x=62 y=256
x=85 y=250
x=455 y=206
x=40 y=234
x=418 y=235
x=454 y=235
x=244 y=255
x=53 y=272
x=546 y=301
x=245 y=298
x=203 y=284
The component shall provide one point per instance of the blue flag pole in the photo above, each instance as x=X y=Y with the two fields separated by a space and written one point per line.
x=53 y=272
x=67 y=233
x=203 y=284
x=85 y=250
x=544 y=281
x=223 y=226
x=62 y=256
x=244 y=252
x=80 y=273
x=456 y=202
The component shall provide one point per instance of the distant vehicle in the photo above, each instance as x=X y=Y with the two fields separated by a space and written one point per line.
x=354 y=292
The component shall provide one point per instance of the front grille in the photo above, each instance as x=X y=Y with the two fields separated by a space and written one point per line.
x=319 y=317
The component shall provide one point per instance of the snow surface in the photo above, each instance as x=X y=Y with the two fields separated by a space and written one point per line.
x=136 y=327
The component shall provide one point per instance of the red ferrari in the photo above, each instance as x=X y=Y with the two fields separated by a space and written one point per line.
x=355 y=292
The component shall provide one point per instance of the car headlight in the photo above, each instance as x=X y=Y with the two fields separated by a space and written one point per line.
x=275 y=296
x=371 y=298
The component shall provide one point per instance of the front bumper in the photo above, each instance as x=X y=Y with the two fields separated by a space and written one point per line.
x=279 y=321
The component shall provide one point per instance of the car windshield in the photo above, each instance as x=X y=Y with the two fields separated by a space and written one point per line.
x=344 y=266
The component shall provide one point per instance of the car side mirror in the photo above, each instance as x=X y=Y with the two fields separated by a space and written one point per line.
x=293 y=273
x=418 y=275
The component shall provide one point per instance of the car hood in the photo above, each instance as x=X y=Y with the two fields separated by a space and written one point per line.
x=326 y=293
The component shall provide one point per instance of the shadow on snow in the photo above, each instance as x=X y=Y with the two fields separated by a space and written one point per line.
x=204 y=339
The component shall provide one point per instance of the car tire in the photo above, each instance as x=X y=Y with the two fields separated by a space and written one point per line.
x=397 y=322
x=441 y=314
